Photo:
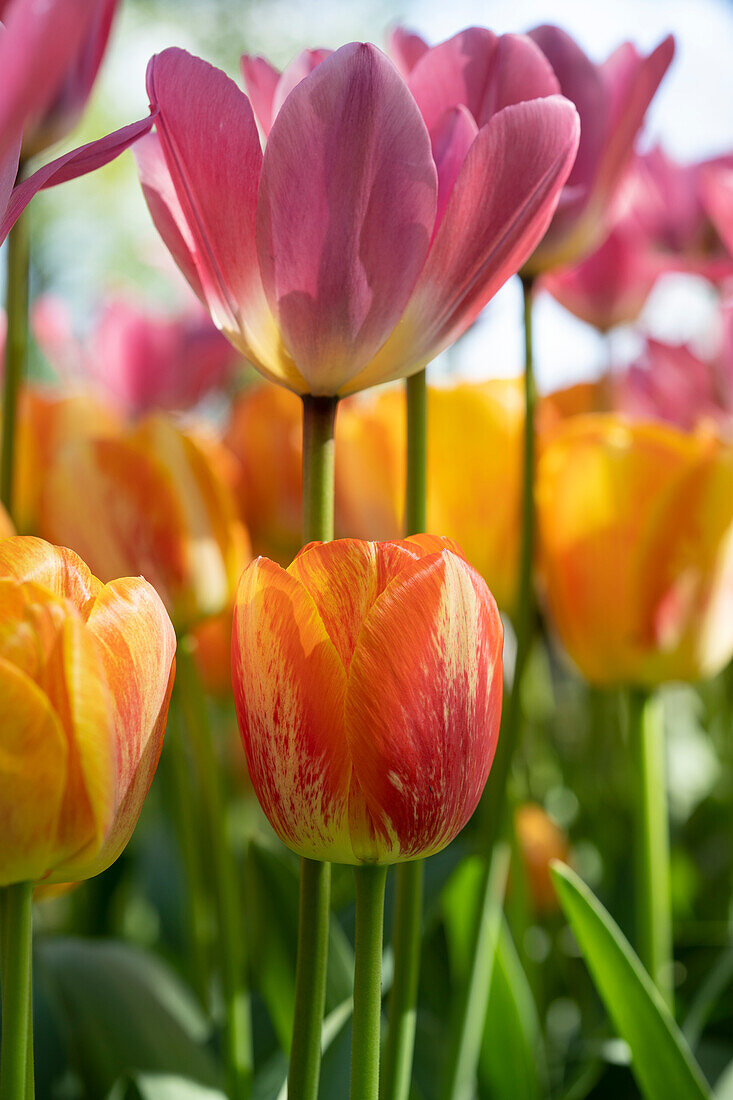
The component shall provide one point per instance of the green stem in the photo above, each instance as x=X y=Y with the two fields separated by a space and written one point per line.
x=417 y=415
x=495 y=796
x=17 y=904
x=183 y=799
x=16 y=350
x=653 y=903
x=400 y=1044
x=366 y=1026
x=225 y=881
x=407 y=926
x=319 y=419
x=310 y=979
x=471 y=1015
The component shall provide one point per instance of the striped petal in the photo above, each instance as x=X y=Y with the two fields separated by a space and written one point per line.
x=422 y=742
x=54 y=568
x=289 y=687
x=346 y=211
x=33 y=762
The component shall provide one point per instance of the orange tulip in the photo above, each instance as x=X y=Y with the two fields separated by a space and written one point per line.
x=370 y=466
x=6 y=524
x=636 y=549
x=86 y=671
x=540 y=841
x=554 y=409
x=368 y=679
x=151 y=502
x=47 y=420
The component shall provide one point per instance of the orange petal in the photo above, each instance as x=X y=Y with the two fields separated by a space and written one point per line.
x=423 y=741
x=33 y=760
x=6 y=524
x=54 y=568
x=289 y=686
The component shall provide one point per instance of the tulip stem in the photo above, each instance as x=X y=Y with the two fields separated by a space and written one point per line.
x=225 y=881
x=417 y=430
x=16 y=349
x=310 y=979
x=407 y=926
x=319 y=420
x=653 y=907
x=17 y=915
x=366 y=1024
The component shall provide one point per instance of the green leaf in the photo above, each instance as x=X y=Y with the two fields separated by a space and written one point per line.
x=724 y=1084
x=123 y=1012
x=512 y=1061
x=661 y=1059
x=155 y=1086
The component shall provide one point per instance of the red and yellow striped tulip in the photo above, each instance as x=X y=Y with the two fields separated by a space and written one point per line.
x=368 y=681
x=86 y=671
x=636 y=549
x=155 y=502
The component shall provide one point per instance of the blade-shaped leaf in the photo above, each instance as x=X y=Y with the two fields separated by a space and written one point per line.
x=661 y=1059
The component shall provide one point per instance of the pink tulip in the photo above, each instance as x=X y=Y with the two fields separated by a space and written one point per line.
x=268 y=88
x=670 y=382
x=65 y=108
x=405 y=48
x=40 y=46
x=136 y=359
x=610 y=287
x=324 y=260
x=612 y=99
x=685 y=210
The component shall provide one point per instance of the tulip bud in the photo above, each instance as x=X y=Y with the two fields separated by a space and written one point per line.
x=368 y=679
x=86 y=671
x=635 y=525
x=155 y=502
x=540 y=841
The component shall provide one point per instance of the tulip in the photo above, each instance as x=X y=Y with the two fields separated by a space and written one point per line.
x=324 y=261
x=137 y=360
x=87 y=672
x=367 y=679
x=370 y=466
x=554 y=408
x=153 y=502
x=540 y=841
x=405 y=48
x=6 y=524
x=47 y=421
x=609 y=287
x=635 y=524
x=89 y=29
x=612 y=100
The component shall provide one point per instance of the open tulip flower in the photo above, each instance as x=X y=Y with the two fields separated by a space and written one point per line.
x=151 y=501
x=636 y=549
x=353 y=250
x=612 y=99
x=368 y=680
x=86 y=671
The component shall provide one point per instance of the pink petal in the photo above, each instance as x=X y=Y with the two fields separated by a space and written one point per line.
x=452 y=139
x=41 y=40
x=87 y=158
x=9 y=170
x=211 y=147
x=405 y=48
x=716 y=191
x=260 y=81
x=346 y=210
x=298 y=69
x=500 y=207
x=483 y=72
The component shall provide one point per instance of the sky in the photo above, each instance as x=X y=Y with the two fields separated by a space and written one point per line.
x=692 y=116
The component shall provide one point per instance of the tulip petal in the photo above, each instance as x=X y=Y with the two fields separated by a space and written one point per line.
x=32 y=776
x=6 y=524
x=481 y=70
x=9 y=157
x=501 y=205
x=298 y=69
x=260 y=81
x=422 y=744
x=405 y=48
x=78 y=162
x=452 y=139
x=213 y=158
x=289 y=686
x=137 y=645
x=346 y=210
x=344 y=578
x=55 y=568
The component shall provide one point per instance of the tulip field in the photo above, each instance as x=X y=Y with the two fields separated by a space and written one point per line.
x=366 y=708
